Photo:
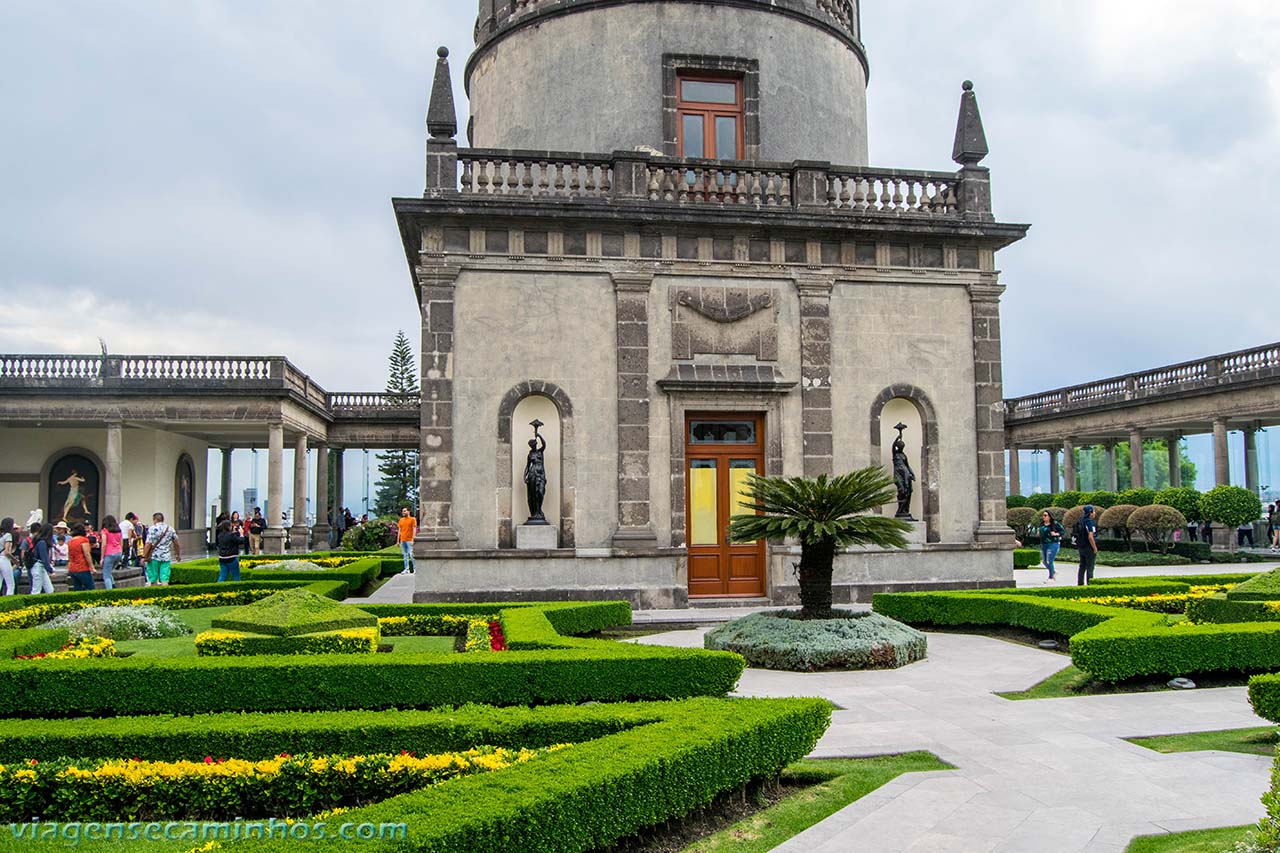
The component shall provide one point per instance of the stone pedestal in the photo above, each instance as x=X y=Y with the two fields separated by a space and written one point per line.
x=536 y=537
x=919 y=534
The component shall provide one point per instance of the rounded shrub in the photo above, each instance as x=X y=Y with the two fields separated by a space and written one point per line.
x=781 y=640
x=1014 y=501
x=374 y=535
x=1057 y=513
x=1039 y=500
x=1156 y=524
x=1117 y=518
x=1101 y=500
x=1067 y=500
x=1184 y=500
x=1137 y=497
x=1071 y=516
x=1230 y=506
x=1021 y=518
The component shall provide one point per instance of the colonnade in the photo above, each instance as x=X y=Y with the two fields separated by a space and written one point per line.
x=1221 y=456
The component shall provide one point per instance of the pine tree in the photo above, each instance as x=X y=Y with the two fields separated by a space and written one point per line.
x=399 y=468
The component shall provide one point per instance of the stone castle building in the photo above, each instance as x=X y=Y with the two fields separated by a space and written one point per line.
x=665 y=245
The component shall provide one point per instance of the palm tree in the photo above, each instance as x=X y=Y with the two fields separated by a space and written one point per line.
x=824 y=514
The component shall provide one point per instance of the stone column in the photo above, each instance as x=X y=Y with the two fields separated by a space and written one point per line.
x=1054 y=488
x=631 y=323
x=320 y=530
x=435 y=479
x=1175 y=460
x=1135 y=458
x=299 y=540
x=114 y=465
x=1221 y=459
x=273 y=538
x=1251 y=459
x=815 y=376
x=988 y=393
x=337 y=481
x=224 y=490
x=1113 y=483
x=1069 y=463
x=1015 y=473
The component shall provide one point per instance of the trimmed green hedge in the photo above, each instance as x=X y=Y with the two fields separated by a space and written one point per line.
x=1125 y=558
x=32 y=641
x=328 y=587
x=1263 y=587
x=1025 y=558
x=355 y=575
x=543 y=666
x=1264 y=696
x=1220 y=609
x=1109 y=643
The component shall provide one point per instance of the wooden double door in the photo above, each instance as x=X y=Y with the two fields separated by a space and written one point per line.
x=720 y=452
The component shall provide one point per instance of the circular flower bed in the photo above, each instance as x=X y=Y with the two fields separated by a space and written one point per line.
x=782 y=640
x=138 y=622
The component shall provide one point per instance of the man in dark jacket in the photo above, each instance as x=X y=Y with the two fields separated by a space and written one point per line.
x=1086 y=536
x=229 y=542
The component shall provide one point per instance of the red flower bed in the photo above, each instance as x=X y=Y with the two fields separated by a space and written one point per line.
x=497 y=642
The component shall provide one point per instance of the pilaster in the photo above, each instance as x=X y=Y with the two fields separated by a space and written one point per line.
x=988 y=391
x=114 y=464
x=631 y=321
x=435 y=488
x=815 y=374
x=274 y=536
x=299 y=540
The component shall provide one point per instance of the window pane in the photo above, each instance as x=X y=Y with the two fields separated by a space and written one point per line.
x=722 y=432
x=702 y=503
x=726 y=138
x=691 y=136
x=739 y=503
x=708 y=92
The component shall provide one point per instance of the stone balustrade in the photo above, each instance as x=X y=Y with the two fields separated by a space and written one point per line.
x=372 y=403
x=1191 y=376
x=194 y=368
x=18 y=368
x=631 y=177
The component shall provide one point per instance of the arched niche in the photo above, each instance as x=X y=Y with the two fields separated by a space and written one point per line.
x=910 y=405
x=71 y=485
x=184 y=493
x=513 y=436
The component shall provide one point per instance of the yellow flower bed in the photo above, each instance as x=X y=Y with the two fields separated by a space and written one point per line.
x=322 y=562
x=36 y=614
x=85 y=647
x=222 y=789
x=1165 y=602
x=346 y=641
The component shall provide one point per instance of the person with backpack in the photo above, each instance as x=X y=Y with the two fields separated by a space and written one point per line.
x=8 y=553
x=41 y=556
x=1051 y=533
x=1086 y=539
x=162 y=549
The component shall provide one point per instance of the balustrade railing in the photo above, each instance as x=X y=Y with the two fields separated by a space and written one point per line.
x=19 y=367
x=633 y=176
x=1175 y=378
x=195 y=368
x=372 y=401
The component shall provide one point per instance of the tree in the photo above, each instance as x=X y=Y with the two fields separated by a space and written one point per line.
x=1091 y=466
x=399 y=468
x=824 y=514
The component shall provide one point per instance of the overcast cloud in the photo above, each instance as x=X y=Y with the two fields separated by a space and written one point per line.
x=215 y=177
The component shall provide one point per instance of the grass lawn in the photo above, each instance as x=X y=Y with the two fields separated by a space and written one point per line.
x=838 y=783
x=1076 y=682
x=1196 y=841
x=1260 y=740
x=200 y=619
x=419 y=644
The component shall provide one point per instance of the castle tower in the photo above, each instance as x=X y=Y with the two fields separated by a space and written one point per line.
x=776 y=80
x=664 y=266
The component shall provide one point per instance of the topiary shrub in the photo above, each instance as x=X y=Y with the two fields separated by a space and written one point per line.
x=1021 y=518
x=781 y=640
x=1039 y=501
x=1067 y=500
x=1101 y=500
x=1137 y=497
x=1071 y=516
x=1117 y=518
x=1156 y=524
x=1230 y=506
x=1014 y=501
x=1183 y=499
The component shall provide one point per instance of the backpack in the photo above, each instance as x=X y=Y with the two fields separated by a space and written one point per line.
x=28 y=551
x=1079 y=533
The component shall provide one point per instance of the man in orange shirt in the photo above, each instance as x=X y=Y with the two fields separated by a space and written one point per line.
x=408 y=526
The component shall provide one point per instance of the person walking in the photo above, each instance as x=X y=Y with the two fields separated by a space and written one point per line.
x=229 y=543
x=112 y=550
x=1051 y=533
x=1273 y=532
x=257 y=526
x=162 y=548
x=408 y=526
x=8 y=555
x=1085 y=532
x=42 y=534
x=129 y=533
x=80 y=563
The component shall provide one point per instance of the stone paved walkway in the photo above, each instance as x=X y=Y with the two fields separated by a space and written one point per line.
x=1043 y=775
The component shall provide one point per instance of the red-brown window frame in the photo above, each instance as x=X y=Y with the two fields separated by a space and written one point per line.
x=709 y=112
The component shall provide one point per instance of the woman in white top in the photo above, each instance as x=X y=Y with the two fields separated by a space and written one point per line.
x=8 y=553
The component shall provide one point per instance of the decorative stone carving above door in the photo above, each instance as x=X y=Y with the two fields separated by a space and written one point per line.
x=724 y=321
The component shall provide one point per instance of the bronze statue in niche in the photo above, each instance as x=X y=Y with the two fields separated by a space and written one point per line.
x=535 y=475
x=903 y=476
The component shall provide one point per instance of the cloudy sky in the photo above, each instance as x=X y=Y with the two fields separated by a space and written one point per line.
x=214 y=177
